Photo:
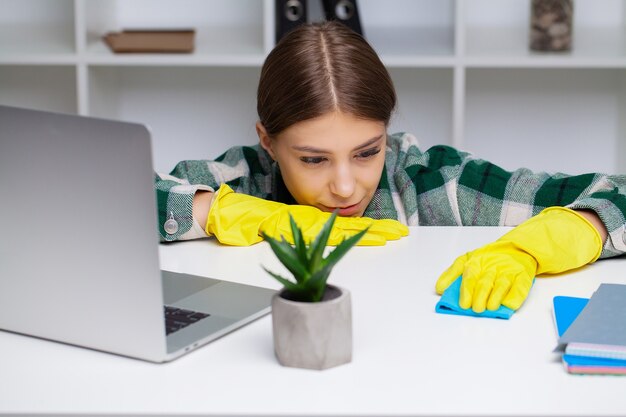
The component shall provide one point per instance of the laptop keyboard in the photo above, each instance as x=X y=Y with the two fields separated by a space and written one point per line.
x=178 y=318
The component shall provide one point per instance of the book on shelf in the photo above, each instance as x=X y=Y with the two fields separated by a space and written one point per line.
x=151 y=40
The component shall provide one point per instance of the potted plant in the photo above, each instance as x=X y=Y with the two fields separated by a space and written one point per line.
x=312 y=320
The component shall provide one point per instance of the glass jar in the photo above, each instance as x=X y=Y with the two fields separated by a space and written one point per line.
x=551 y=25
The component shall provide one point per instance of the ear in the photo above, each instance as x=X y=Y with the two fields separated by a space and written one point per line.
x=264 y=139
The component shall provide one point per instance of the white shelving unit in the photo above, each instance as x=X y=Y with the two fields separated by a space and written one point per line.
x=462 y=68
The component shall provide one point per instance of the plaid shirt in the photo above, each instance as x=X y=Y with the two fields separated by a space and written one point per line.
x=438 y=187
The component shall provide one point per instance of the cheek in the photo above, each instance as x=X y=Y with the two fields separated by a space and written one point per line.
x=371 y=175
x=305 y=186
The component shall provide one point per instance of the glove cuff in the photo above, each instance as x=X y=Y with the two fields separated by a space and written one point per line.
x=234 y=218
x=217 y=196
x=559 y=238
x=582 y=220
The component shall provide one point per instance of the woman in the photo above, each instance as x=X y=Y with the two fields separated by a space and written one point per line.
x=324 y=102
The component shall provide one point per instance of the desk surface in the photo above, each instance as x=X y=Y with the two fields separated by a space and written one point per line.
x=407 y=360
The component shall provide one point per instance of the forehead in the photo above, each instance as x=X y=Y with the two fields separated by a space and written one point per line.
x=332 y=131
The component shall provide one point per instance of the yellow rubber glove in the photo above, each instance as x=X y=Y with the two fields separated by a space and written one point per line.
x=238 y=219
x=501 y=273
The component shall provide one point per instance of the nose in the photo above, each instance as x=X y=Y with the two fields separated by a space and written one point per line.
x=343 y=181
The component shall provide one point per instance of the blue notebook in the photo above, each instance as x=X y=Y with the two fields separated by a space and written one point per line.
x=600 y=328
x=566 y=310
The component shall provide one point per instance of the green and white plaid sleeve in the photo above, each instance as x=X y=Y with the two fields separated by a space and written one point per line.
x=175 y=208
x=444 y=186
x=607 y=197
x=246 y=169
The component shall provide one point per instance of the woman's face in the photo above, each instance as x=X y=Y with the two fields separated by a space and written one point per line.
x=333 y=161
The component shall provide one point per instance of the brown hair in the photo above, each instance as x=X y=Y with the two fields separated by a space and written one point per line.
x=319 y=68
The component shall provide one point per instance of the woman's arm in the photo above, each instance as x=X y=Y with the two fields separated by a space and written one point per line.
x=596 y=222
x=184 y=195
x=201 y=205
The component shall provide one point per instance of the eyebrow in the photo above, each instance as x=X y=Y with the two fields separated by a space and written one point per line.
x=318 y=150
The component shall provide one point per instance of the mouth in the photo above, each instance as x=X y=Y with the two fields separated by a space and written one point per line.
x=346 y=211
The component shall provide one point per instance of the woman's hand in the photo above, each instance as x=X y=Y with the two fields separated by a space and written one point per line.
x=501 y=273
x=238 y=220
x=496 y=274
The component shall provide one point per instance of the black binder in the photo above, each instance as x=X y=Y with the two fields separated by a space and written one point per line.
x=289 y=15
x=344 y=11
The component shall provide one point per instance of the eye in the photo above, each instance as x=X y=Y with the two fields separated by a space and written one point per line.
x=368 y=153
x=312 y=160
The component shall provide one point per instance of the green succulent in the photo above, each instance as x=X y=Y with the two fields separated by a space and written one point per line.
x=306 y=262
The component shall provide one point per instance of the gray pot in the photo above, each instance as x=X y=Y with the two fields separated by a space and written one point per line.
x=313 y=335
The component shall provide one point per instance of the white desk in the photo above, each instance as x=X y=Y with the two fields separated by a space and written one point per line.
x=407 y=359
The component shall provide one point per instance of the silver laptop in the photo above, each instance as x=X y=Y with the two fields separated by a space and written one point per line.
x=79 y=245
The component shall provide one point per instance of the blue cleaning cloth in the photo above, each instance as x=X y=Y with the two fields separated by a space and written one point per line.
x=449 y=304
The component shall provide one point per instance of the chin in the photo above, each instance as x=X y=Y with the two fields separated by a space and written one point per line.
x=359 y=214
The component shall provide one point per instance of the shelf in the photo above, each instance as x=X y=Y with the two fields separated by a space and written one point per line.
x=410 y=33
x=413 y=47
x=193 y=113
x=38 y=59
x=215 y=47
x=36 y=28
x=463 y=73
x=42 y=41
x=407 y=14
x=591 y=47
x=226 y=34
x=548 y=124
x=41 y=87
x=424 y=104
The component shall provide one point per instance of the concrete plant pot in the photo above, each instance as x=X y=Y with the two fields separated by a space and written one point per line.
x=313 y=335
